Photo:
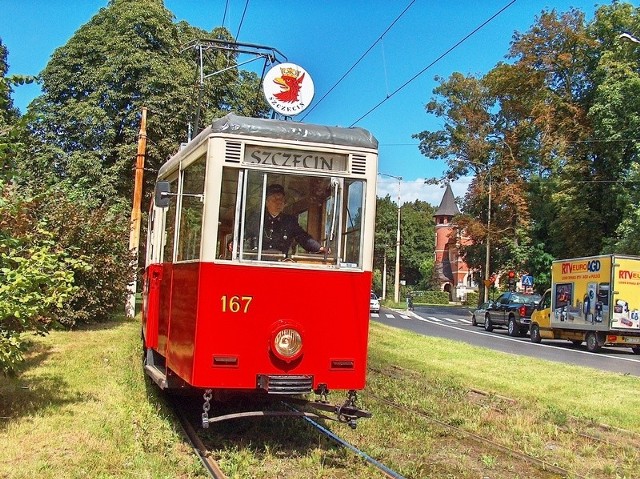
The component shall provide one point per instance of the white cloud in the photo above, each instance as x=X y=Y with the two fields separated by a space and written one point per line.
x=416 y=190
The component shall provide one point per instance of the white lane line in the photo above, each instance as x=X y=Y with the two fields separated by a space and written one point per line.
x=507 y=338
x=450 y=320
x=390 y=316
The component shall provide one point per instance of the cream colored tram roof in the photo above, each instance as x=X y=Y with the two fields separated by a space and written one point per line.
x=286 y=130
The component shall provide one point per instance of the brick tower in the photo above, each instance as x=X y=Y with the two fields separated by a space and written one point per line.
x=452 y=273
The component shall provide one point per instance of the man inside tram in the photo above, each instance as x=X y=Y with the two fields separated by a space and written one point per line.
x=281 y=229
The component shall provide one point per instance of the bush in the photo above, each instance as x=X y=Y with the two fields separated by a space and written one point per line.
x=36 y=276
x=100 y=237
x=473 y=299
x=431 y=297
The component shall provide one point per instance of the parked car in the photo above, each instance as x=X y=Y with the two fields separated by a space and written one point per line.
x=374 y=304
x=511 y=310
x=480 y=313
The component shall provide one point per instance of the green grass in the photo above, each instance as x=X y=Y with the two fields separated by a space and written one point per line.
x=81 y=408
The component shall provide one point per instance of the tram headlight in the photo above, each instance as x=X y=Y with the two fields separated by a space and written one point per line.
x=287 y=343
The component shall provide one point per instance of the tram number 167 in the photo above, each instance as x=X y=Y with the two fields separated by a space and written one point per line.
x=235 y=304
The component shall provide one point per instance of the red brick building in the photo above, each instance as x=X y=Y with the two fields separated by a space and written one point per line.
x=452 y=273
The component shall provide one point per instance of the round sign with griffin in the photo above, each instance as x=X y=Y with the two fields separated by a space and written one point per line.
x=288 y=89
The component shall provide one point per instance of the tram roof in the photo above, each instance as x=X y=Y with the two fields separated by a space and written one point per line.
x=285 y=130
x=291 y=130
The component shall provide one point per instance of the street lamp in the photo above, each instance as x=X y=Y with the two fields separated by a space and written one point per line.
x=396 y=293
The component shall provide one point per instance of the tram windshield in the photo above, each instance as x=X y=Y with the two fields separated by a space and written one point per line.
x=267 y=216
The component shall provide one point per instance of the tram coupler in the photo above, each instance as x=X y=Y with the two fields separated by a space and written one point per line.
x=349 y=412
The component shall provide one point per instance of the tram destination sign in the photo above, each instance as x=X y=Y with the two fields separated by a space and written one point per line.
x=294 y=159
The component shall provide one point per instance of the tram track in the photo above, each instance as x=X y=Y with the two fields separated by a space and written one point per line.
x=388 y=472
x=215 y=472
x=199 y=448
x=543 y=465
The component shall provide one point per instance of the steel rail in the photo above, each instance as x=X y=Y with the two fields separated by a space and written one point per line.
x=378 y=465
x=210 y=465
x=526 y=457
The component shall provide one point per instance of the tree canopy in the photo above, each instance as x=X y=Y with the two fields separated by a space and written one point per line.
x=554 y=130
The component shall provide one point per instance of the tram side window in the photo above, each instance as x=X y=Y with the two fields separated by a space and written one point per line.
x=352 y=222
x=170 y=225
x=227 y=212
x=191 y=210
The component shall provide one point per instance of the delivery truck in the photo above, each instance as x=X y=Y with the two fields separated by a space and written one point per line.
x=595 y=300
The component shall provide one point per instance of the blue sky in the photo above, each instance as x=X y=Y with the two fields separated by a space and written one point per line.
x=327 y=38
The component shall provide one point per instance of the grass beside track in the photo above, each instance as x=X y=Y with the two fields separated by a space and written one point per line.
x=81 y=408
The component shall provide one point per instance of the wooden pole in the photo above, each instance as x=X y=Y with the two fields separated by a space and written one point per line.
x=134 y=237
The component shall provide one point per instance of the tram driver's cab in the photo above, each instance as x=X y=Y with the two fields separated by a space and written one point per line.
x=327 y=209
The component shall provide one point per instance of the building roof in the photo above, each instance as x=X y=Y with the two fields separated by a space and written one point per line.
x=448 y=205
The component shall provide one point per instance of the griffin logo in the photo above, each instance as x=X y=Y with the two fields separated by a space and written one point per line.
x=288 y=89
x=290 y=83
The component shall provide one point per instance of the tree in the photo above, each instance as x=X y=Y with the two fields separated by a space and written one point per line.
x=127 y=56
x=417 y=247
x=385 y=236
x=556 y=128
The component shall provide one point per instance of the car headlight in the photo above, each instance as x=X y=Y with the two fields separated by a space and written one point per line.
x=287 y=343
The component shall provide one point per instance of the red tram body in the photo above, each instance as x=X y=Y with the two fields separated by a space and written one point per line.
x=223 y=313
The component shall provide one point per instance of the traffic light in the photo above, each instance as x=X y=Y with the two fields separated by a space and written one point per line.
x=512 y=280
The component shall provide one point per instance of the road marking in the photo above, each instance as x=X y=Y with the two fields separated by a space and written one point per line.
x=375 y=315
x=450 y=320
x=507 y=338
x=390 y=316
x=468 y=321
x=404 y=316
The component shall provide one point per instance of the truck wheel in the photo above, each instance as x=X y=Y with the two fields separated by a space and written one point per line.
x=473 y=320
x=636 y=349
x=488 y=325
x=513 y=328
x=592 y=342
x=535 y=333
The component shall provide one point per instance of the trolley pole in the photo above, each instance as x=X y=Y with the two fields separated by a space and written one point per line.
x=134 y=237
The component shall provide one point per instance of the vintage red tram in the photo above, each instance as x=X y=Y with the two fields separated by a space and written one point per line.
x=225 y=308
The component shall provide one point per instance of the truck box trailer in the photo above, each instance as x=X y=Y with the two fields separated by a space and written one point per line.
x=595 y=300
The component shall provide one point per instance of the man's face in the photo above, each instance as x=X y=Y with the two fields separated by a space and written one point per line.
x=275 y=204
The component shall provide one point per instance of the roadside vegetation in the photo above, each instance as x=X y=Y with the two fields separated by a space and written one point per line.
x=81 y=406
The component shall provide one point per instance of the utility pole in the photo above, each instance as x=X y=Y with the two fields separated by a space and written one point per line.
x=134 y=237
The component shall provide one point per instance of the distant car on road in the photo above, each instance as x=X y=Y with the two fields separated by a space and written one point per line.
x=374 y=304
x=511 y=310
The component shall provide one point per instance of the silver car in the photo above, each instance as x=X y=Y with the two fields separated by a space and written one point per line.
x=477 y=316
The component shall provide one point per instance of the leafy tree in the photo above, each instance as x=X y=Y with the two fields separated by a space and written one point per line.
x=417 y=248
x=385 y=237
x=129 y=55
x=556 y=128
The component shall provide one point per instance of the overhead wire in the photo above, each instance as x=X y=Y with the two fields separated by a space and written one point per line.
x=226 y=9
x=456 y=45
x=246 y=5
x=359 y=59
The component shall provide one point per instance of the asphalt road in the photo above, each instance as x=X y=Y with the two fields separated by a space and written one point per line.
x=455 y=323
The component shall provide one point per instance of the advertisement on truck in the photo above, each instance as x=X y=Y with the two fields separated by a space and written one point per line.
x=594 y=300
